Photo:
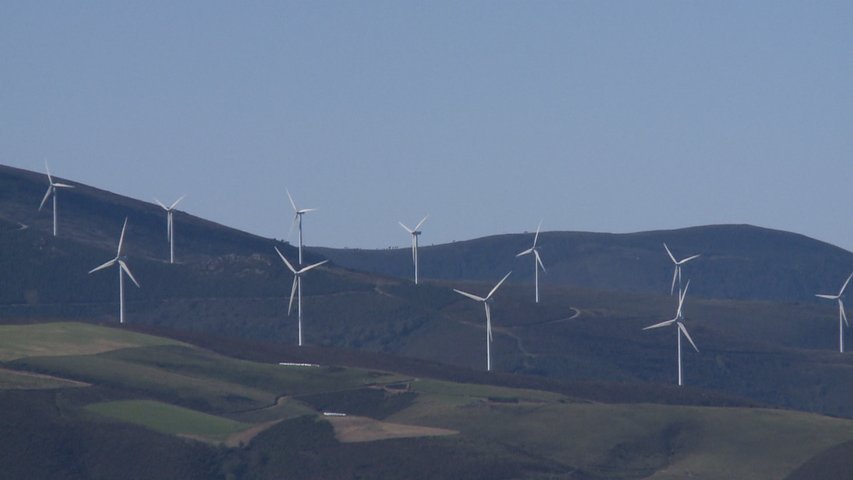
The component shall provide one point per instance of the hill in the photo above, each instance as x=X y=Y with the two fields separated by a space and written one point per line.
x=737 y=262
x=235 y=287
x=142 y=407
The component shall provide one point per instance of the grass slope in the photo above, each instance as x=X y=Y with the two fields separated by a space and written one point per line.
x=503 y=432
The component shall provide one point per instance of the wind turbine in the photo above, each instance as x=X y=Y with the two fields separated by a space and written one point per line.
x=678 y=320
x=415 y=233
x=296 y=290
x=677 y=273
x=122 y=269
x=170 y=226
x=537 y=261
x=486 y=301
x=51 y=190
x=842 y=317
x=297 y=218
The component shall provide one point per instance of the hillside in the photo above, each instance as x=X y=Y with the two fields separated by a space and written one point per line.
x=770 y=353
x=737 y=262
x=110 y=403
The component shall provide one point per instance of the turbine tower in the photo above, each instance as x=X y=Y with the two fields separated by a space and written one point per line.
x=297 y=218
x=676 y=274
x=678 y=320
x=842 y=317
x=537 y=260
x=51 y=190
x=415 y=233
x=486 y=301
x=170 y=226
x=296 y=290
x=122 y=269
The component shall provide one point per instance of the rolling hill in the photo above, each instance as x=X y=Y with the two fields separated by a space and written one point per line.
x=233 y=286
x=738 y=261
x=139 y=406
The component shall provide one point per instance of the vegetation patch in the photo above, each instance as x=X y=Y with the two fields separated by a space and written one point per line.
x=170 y=419
x=11 y=379
x=59 y=339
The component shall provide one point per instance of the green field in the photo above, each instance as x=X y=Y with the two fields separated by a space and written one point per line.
x=57 y=339
x=253 y=411
x=170 y=419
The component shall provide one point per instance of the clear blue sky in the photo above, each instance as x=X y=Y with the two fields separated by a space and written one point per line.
x=600 y=116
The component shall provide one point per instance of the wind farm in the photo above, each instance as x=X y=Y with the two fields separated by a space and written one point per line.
x=450 y=146
x=350 y=310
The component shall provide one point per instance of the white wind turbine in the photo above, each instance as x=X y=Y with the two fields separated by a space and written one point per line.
x=122 y=269
x=537 y=261
x=297 y=218
x=296 y=290
x=52 y=190
x=678 y=320
x=842 y=317
x=677 y=273
x=170 y=226
x=415 y=233
x=486 y=301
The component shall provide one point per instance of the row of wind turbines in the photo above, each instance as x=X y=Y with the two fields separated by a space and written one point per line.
x=300 y=270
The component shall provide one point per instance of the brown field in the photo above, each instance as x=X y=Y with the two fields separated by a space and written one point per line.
x=351 y=429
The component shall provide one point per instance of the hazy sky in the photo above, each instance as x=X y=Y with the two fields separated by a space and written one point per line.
x=599 y=116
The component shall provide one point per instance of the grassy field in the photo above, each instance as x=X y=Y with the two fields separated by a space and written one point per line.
x=253 y=410
x=170 y=419
x=10 y=379
x=58 y=339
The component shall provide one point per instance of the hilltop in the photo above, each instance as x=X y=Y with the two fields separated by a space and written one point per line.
x=741 y=262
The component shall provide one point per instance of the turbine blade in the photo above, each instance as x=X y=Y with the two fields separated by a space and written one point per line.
x=845 y=285
x=539 y=260
x=669 y=253
x=536 y=237
x=63 y=185
x=285 y=260
x=292 y=223
x=127 y=271
x=292 y=295
x=121 y=238
x=177 y=202
x=418 y=226
x=498 y=285
x=161 y=204
x=46 y=196
x=108 y=264
x=661 y=324
x=306 y=210
x=406 y=228
x=684 y=331
x=488 y=321
x=828 y=297
x=681 y=299
x=526 y=252
x=469 y=295
x=311 y=267
x=47 y=169
x=292 y=203
x=688 y=259
x=674 y=277
x=843 y=313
